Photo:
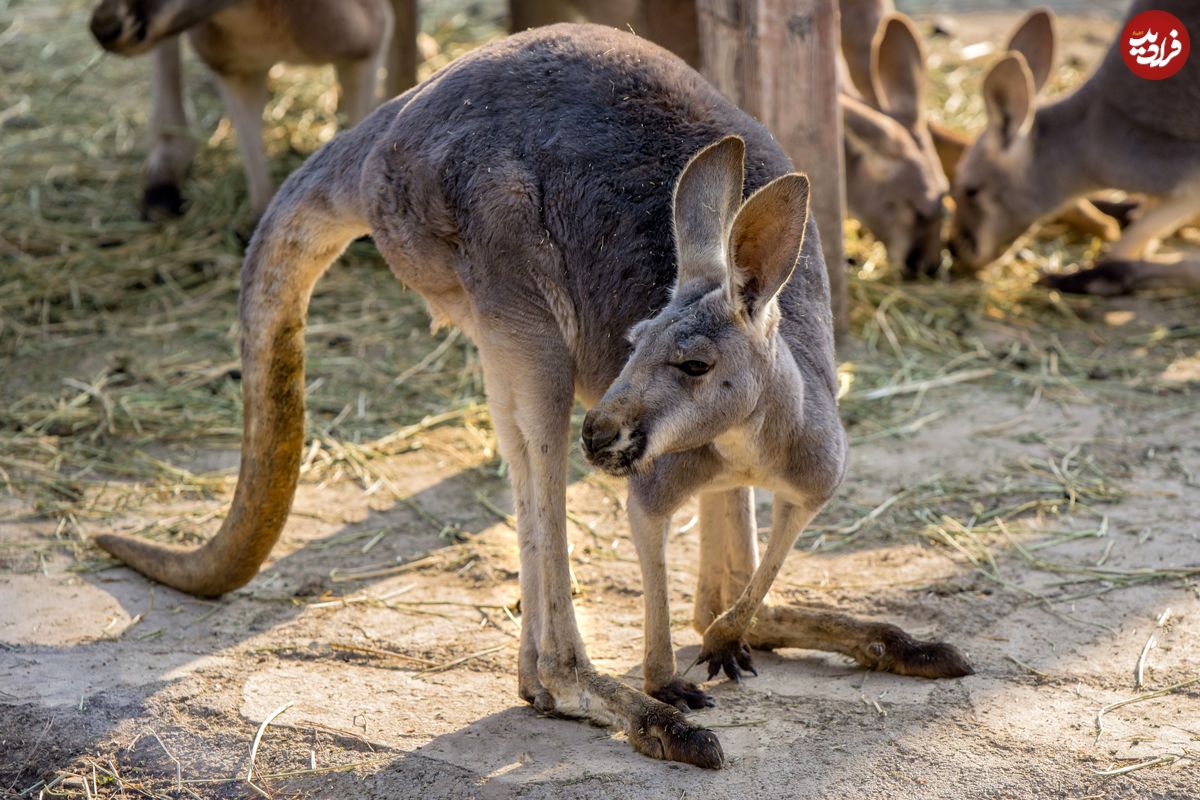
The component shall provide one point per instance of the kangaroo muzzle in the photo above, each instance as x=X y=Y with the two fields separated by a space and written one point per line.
x=610 y=443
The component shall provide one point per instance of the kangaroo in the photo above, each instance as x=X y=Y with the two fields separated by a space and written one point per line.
x=525 y=192
x=894 y=179
x=240 y=40
x=1116 y=131
x=1100 y=218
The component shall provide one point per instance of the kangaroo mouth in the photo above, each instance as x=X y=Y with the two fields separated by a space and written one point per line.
x=622 y=461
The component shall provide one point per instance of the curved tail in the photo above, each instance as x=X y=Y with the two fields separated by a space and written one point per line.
x=309 y=224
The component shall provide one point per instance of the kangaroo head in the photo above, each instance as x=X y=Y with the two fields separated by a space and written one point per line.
x=996 y=192
x=132 y=27
x=701 y=365
x=894 y=179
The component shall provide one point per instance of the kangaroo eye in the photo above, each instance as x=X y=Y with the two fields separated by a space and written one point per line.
x=693 y=368
x=971 y=191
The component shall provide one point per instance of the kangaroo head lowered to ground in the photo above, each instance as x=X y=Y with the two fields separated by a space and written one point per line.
x=1116 y=131
x=525 y=192
x=894 y=179
x=240 y=40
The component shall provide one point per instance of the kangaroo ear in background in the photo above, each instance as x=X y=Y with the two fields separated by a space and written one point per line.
x=870 y=132
x=1008 y=93
x=898 y=70
x=766 y=239
x=1034 y=39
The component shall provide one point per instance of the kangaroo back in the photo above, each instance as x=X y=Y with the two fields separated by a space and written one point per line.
x=1170 y=107
x=541 y=167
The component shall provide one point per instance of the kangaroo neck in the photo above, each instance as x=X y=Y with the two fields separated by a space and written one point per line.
x=1061 y=163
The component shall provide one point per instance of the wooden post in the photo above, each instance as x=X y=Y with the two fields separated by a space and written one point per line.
x=402 y=54
x=777 y=59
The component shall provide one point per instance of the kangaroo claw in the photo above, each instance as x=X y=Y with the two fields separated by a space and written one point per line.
x=683 y=695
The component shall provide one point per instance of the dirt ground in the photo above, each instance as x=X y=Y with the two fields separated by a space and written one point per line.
x=1024 y=483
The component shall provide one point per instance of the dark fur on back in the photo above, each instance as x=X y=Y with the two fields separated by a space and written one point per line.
x=566 y=141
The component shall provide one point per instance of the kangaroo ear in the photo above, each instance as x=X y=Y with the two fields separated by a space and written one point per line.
x=1034 y=39
x=766 y=239
x=706 y=199
x=898 y=70
x=1008 y=93
x=869 y=131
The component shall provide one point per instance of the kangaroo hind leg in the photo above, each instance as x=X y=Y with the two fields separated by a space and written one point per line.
x=874 y=645
x=530 y=394
x=879 y=646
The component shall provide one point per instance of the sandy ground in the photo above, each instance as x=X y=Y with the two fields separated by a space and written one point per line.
x=403 y=685
x=93 y=664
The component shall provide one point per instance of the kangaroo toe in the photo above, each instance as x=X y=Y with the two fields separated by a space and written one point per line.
x=733 y=658
x=161 y=201
x=683 y=695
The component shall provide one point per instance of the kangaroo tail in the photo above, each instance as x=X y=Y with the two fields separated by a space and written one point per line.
x=316 y=214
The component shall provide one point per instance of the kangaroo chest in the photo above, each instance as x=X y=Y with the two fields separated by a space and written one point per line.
x=744 y=463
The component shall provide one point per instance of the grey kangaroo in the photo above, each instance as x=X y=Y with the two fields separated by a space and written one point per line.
x=1116 y=131
x=525 y=192
x=240 y=40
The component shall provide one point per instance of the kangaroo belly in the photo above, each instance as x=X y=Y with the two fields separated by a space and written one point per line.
x=254 y=35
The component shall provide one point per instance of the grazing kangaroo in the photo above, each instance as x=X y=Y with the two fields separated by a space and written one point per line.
x=240 y=40
x=1116 y=131
x=894 y=179
x=1092 y=218
x=524 y=192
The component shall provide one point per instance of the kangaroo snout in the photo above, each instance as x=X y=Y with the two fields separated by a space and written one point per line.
x=609 y=443
x=106 y=25
x=119 y=29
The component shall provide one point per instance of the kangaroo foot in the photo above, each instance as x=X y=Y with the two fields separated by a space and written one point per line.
x=538 y=697
x=1106 y=279
x=683 y=695
x=664 y=733
x=890 y=649
x=161 y=201
x=731 y=655
x=654 y=728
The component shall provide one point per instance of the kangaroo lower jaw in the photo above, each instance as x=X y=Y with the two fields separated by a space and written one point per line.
x=620 y=465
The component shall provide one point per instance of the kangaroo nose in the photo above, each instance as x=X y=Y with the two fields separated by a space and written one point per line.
x=599 y=431
x=106 y=27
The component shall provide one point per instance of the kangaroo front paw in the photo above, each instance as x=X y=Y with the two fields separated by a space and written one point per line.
x=683 y=695
x=893 y=650
x=729 y=655
x=664 y=733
